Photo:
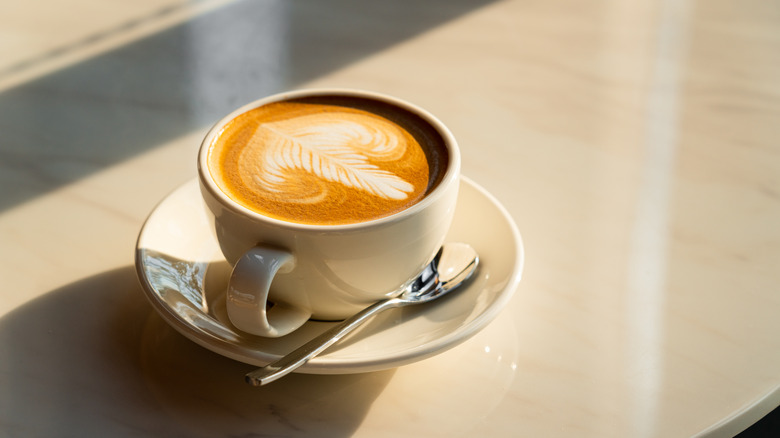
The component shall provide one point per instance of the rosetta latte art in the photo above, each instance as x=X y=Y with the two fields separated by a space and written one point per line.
x=332 y=160
x=335 y=147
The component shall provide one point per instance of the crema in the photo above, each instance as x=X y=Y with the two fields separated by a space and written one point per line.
x=327 y=159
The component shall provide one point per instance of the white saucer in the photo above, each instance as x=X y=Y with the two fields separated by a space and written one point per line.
x=183 y=274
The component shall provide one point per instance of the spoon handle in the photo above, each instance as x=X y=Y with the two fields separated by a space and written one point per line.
x=303 y=354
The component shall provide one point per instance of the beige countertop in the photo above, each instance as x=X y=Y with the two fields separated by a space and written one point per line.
x=635 y=144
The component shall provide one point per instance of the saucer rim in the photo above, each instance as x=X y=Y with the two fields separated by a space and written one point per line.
x=325 y=364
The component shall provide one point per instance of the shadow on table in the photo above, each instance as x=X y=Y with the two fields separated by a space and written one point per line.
x=94 y=359
x=80 y=119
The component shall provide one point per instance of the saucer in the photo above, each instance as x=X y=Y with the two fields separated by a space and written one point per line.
x=184 y=276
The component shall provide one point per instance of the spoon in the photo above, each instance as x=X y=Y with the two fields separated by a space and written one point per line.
x=454 y=264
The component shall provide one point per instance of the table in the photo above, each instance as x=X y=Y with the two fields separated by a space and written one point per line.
x=634 y=144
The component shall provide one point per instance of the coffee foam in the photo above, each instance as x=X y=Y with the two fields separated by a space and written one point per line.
x=320 y=163
x=336 y=147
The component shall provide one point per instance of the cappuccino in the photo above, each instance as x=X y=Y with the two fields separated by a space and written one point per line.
x=327 y=160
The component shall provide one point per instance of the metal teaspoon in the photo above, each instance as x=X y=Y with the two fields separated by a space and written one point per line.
x=454 y=264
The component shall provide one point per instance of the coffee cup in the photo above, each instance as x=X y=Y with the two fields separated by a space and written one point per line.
x=325 y=201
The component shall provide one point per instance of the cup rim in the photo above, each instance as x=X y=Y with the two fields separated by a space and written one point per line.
x=451 y=175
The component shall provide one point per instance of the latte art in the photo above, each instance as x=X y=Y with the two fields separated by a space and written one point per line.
x=337 y=147
x=327 y=160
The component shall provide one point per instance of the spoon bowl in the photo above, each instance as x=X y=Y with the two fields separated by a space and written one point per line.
x=452 y=265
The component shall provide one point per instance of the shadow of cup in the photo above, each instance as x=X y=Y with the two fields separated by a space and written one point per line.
x=93 y=358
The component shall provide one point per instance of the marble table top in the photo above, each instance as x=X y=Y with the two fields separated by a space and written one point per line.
x=633 y=143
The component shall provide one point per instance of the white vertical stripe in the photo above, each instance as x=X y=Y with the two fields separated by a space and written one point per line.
x=647 y=262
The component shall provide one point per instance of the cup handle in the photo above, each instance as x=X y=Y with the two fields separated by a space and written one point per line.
x=247 y=294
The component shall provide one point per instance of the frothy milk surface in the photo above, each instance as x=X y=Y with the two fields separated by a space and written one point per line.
x=327 y=160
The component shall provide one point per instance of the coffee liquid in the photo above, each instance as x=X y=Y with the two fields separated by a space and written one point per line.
x=327 y=159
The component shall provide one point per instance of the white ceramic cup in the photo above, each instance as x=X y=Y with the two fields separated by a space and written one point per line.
x=325 y=272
